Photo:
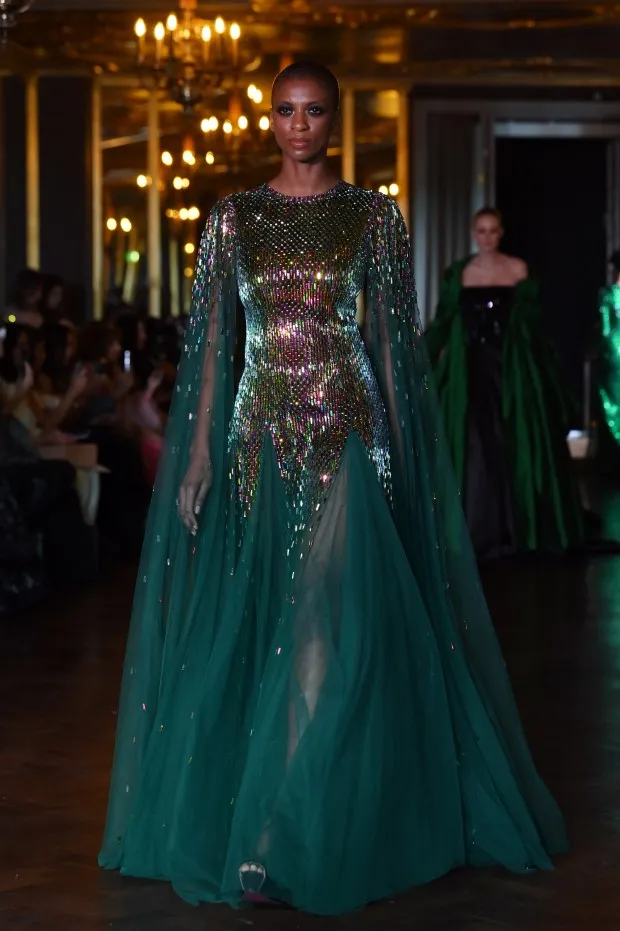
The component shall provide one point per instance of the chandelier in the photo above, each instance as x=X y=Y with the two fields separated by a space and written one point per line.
x=9 y=9
x=179 y=168
x=191 y=57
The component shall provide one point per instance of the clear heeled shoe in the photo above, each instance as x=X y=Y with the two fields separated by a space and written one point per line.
x=252 y=878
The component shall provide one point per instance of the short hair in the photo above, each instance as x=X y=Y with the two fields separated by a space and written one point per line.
x=313 y=70
x=489 y=212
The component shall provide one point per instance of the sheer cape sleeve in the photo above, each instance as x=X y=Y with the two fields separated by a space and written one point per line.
x=430 y=521
x=198 y=426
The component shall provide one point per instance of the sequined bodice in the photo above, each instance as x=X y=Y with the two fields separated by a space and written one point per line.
x=307 y=382
x=486 y=312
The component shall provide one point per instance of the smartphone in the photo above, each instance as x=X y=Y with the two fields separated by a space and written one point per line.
x=127 y=361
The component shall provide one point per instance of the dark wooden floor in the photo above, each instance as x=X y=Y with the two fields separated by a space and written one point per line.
x=560 y=628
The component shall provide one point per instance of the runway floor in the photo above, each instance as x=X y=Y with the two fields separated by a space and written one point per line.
x=559 y=623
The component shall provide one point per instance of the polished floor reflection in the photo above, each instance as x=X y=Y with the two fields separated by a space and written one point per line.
x=559 y=623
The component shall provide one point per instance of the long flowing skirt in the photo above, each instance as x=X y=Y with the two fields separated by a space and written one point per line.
x=310 y=715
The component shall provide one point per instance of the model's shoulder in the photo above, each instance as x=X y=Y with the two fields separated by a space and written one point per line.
x=382 y=203
x=233 y=202
x=220 y=223
x=518 y=267
x=381 y=208
x=456 y=269
x=354 y=191
x=247 y=197
x=223 y=209
x=242 y=204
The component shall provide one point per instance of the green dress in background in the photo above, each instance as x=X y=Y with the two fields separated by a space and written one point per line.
x=313 y=682
x=543 y=502
x=608 y=369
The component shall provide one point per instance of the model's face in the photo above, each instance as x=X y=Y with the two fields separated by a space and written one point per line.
x=303 y=117
x=488 y=234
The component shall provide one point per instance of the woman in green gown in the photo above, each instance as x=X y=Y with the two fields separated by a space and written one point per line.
x=505 y=413
x=314 y=705
x=608 y=366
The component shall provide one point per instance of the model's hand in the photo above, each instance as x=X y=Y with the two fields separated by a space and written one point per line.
x=194 y=489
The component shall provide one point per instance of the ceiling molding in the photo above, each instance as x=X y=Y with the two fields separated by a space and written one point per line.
x=471 y=14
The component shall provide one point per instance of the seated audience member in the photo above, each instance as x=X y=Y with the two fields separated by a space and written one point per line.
x=24 y=302
x=41 y=414
x=54 y=301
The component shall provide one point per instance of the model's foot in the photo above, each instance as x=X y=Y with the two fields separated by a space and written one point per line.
x=252 y=877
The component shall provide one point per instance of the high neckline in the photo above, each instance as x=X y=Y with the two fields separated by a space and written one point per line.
x=308 y=198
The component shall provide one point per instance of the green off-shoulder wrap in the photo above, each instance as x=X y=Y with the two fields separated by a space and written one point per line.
x=535 y=409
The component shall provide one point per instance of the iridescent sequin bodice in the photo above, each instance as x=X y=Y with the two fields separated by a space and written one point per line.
x=307 y=382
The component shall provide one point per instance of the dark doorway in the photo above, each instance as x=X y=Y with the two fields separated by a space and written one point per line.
x=552 y=193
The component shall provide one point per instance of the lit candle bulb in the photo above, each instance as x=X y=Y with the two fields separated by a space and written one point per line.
x=140 y=31
x=235 y=34
x=172 y=24
x=220 y=29
x=206 y=42
x=160 y=33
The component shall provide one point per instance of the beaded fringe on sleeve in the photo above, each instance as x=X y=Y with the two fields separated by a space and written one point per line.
x=429 y=517
x=164 y=592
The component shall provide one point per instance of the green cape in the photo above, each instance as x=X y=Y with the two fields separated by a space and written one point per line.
x=535 y=410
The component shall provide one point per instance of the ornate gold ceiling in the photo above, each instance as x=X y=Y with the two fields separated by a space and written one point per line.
x=375 y=41
x=478 y=14
x=470 y=14
x=375 y=45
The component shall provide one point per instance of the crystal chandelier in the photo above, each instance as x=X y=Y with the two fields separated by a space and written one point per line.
x=192 y=57
x=9 y=9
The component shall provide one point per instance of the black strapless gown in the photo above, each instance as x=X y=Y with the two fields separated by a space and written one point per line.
x=487 y=496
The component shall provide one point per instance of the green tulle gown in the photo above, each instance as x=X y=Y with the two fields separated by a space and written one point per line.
x=313 y=682
x=608 y=371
